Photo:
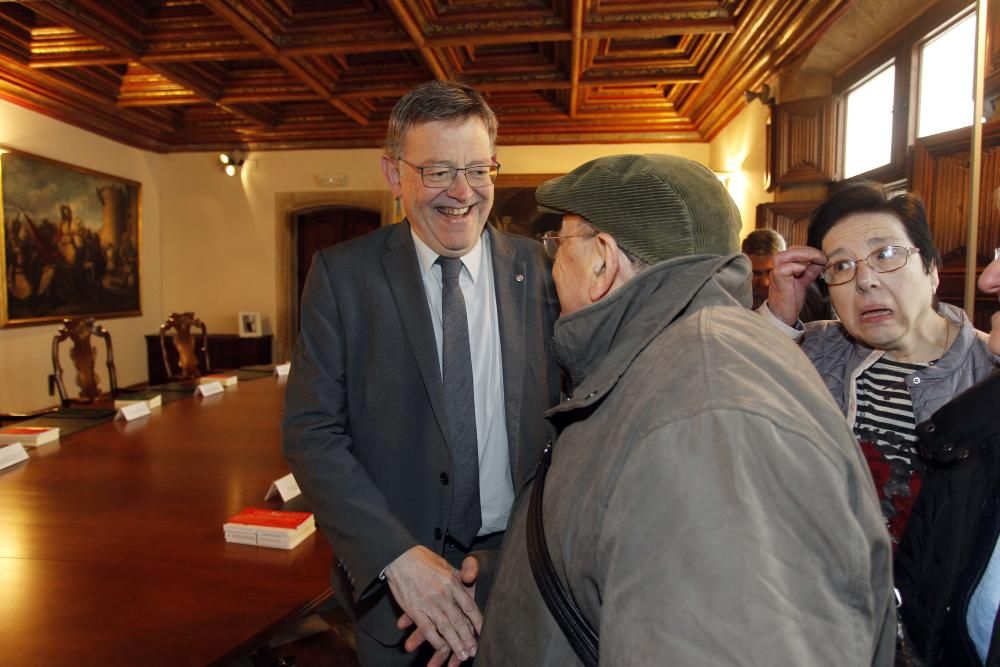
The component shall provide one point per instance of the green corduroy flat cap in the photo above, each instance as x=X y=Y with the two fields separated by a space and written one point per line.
x=657 y=207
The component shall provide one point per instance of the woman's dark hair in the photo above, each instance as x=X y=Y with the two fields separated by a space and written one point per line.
x=869 y=197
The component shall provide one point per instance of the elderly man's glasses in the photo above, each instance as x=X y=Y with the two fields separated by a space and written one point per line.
x=885 y=259
x=552 y=241
x=440 y=176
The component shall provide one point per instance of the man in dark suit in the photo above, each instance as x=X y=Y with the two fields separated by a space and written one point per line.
x=375 y=432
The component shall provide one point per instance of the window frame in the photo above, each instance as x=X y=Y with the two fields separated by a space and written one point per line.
x=902 y=50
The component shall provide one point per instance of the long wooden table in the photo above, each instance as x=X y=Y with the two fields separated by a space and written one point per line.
x=111 y=543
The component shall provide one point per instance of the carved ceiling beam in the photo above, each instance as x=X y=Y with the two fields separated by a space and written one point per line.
x=263 y=42
x=91 y=20
x=576 y=56
x=401 y=10
x=257 y=116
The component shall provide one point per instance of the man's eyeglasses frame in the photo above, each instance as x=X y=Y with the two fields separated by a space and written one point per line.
x=551 y=240
x=493 y=172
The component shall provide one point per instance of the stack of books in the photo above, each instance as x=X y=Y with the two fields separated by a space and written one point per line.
x=151 y=398
x=29 y=436
x=277 y=529
x=225 y=379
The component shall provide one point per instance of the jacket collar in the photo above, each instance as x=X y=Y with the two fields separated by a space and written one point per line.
x=596 y=345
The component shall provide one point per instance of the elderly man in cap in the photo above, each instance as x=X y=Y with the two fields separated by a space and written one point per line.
x=690 y=517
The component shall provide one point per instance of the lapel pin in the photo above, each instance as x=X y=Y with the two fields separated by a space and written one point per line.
x=519 y=277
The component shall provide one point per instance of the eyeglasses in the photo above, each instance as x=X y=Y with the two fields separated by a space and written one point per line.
x=552 y=240
x=440 y=176
x=885 y=259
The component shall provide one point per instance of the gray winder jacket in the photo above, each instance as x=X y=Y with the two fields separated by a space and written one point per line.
x=707 y=503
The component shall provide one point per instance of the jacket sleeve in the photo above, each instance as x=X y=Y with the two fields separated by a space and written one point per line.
x=316 y=438
x=732 y=541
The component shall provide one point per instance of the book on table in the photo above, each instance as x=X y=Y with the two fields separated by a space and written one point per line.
x=29 y=436
x=225 y=379
x=277 y=529
x=151 y=398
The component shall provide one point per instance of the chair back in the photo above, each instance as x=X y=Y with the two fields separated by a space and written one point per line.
x=80 y=332
x=183 y=339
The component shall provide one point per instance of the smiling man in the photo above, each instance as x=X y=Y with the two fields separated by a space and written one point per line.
x=422 y=368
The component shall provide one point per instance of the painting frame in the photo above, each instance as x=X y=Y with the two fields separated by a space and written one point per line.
x=72 y=242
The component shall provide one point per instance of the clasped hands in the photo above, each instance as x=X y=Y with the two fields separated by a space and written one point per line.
x=439 y=601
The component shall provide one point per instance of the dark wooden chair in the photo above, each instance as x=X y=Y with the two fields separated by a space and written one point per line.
x=80 y=332
x=184 y=344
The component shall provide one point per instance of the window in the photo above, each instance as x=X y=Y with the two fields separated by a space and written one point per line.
x=947 y=66
x=919 y=82
x=868 y=126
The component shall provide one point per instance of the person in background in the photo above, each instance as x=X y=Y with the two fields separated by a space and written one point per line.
x=761 y=245
x=422 y=368
x=948 y=565
x=692 y=517
x=896 y=354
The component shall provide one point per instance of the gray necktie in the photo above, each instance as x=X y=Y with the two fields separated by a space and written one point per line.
x=466 y=516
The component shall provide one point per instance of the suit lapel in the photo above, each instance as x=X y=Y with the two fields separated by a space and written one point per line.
x=510 y=282
x=402 y=272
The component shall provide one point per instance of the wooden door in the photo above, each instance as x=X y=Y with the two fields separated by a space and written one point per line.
x=321 y=228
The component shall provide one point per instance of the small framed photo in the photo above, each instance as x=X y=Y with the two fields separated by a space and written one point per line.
x=250 y=325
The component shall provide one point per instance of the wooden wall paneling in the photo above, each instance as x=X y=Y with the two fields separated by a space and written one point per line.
x=802 y=135
x=788 y=218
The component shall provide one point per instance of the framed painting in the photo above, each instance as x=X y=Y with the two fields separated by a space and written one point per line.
x=71 y=241
x=515 y=209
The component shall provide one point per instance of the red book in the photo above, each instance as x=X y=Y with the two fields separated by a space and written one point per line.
x=29 y=436
x=264 y=518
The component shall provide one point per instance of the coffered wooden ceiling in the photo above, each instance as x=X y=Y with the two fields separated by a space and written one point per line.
x=188 y=75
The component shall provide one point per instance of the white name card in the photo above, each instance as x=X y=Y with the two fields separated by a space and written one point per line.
x=281 y=370
x=133 y=411
x=209 y=388
x=286 y=488
x=14 y=454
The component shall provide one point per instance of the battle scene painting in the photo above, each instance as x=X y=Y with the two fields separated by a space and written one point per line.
x=71 y=241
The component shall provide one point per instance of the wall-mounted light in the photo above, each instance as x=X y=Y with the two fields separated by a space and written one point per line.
x=231 y=162
x=764 y=95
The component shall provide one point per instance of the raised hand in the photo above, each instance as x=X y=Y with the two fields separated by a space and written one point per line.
x=794 y=270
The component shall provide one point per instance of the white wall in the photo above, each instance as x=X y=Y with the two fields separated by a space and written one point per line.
x=25 y=360
x=741 y=150
x=219 y=231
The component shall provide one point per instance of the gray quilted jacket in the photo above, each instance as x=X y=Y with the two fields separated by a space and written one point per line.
x=840 y=359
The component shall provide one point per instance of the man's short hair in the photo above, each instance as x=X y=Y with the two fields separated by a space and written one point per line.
x=871 y=197
x=763 y=242
x=437 y=101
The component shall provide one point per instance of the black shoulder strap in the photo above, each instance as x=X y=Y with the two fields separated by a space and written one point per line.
x=581 y=636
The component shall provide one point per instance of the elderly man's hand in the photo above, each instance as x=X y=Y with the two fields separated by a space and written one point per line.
x=794 y=270
x=434 y=596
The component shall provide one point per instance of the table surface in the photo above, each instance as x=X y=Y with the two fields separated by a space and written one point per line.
x=111 y=543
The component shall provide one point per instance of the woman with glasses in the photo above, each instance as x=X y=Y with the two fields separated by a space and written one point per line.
x=896 y=354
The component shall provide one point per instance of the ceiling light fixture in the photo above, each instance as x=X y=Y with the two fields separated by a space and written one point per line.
x=231 y=162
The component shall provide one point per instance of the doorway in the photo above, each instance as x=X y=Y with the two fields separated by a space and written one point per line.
x=319 y=228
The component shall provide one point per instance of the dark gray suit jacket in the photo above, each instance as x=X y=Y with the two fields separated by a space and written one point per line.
x=365 y=429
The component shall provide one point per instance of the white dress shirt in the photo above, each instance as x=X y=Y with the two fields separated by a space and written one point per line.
x=496 y=489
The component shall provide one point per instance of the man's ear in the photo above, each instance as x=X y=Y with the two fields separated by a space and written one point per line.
x=935 y=279
x=390 y=170
x=607 y=265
